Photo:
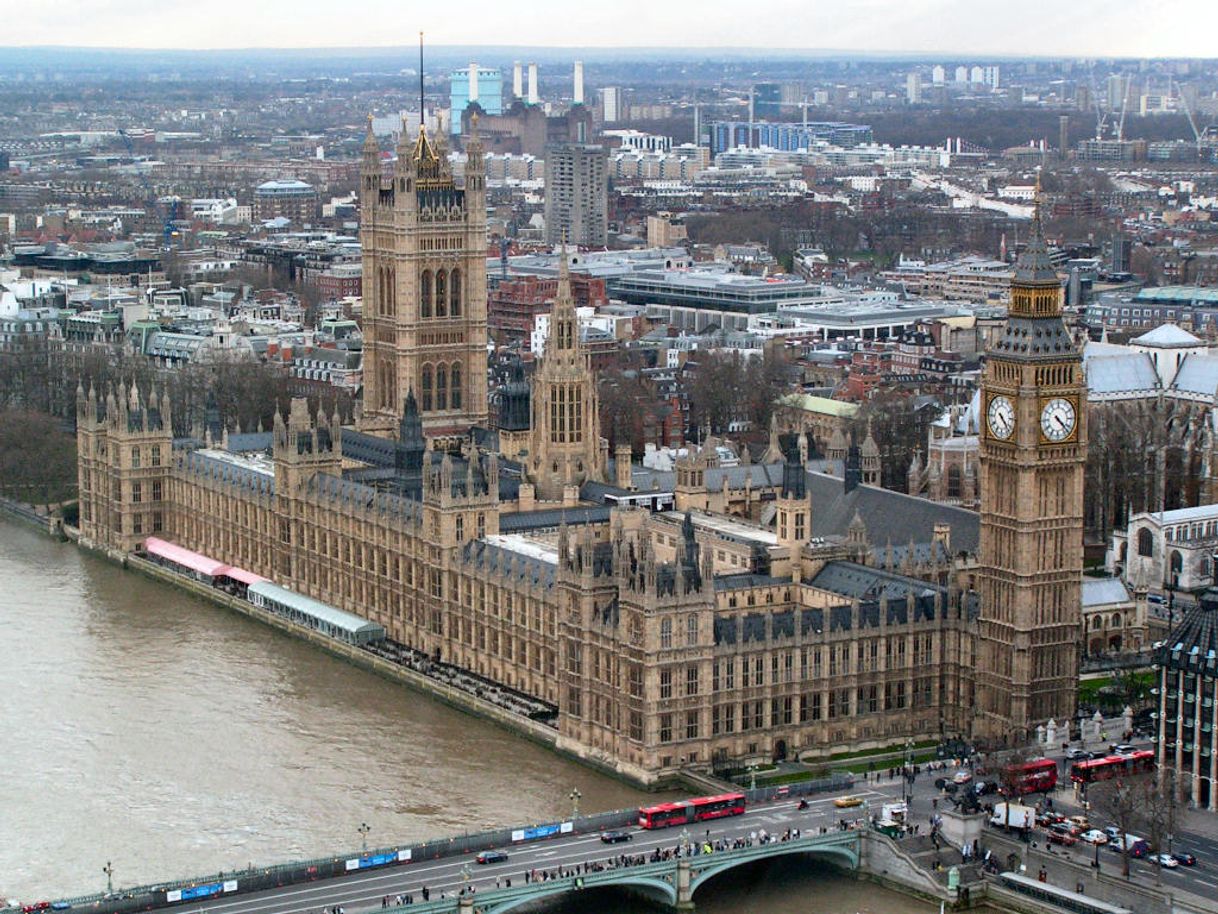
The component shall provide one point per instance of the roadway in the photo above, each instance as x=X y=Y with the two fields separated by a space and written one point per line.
x=1201 y=879
x=366 y=890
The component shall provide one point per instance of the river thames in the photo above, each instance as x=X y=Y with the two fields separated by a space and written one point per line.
x=148 y=728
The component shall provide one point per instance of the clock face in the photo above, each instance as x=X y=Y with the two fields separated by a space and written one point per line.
x=1057 y=419
x=1001 y=417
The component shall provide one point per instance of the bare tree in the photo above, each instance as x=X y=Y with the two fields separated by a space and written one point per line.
x=1120 y=801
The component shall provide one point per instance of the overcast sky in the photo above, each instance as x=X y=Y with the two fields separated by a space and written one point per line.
x=1133 y=28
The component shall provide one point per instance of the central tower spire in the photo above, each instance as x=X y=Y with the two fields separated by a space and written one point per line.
x=565 y=442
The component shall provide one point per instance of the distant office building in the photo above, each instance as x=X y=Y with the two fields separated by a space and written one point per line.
x=725 y=135
x=913 y=88
x=1117 y=86
x=1120 y=253
x=293 y=200
x=938 y=75
x=961 y=74
x=577 y=195
x=474 y=84
x=611 y=104
x=767 y=101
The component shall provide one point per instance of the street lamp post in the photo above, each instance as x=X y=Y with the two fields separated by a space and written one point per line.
x=907 y=774
x=108 y=869
x=685 y=840
x=752 y=777
x=363 y=830
x=466 y=875
x=575 y=797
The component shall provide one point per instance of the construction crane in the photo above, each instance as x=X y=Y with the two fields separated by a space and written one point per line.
x=1101 y=116
x=1198 y=135
x=1124 y=108
x=170 y=213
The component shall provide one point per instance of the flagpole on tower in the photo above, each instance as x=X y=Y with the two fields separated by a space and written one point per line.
x=422 y=109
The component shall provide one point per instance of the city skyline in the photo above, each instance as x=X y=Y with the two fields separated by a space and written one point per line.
x=870 y=27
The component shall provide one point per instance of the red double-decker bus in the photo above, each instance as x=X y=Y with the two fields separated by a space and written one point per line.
x=1036 y=776
x=1111 y=766
x=684 y=812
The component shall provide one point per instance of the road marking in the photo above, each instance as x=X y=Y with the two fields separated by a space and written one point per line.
x=1212 y=885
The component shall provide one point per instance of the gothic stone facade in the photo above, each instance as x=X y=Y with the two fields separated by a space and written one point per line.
x=653 y=658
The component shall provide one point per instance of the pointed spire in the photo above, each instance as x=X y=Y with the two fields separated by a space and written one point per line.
x=372 y=149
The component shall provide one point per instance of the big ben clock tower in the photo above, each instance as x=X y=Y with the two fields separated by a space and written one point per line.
x=1033 y=448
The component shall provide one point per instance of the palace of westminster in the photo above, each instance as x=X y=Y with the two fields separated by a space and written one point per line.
x=714 y=615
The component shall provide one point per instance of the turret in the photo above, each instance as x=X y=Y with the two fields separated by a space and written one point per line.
x=869 y=455
x=370 y=168
x=913 y=476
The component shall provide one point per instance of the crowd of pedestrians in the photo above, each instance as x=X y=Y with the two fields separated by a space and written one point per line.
x=699 y=847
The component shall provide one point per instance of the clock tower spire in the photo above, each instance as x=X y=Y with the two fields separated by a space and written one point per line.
x=1033 y=450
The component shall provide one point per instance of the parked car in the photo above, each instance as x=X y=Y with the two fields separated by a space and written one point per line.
x=491 y=857
x=1166 y=860
x=1186 y=859
x=35 y=906
x=1094 y=836
x=616 y=837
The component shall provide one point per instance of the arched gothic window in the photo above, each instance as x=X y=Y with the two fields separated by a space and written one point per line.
x=426 y=387
x=454 y=293
x=441 y=387
x=425 y=295
x=454 y=386
x=1146 y=542
x=441 y=294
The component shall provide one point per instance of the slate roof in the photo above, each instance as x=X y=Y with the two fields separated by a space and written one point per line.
x=231 y=473
x=1167 y=336
x=888 y=516
x=747 y=579
x=1198 y=374
x=521 y=521
x=1104 y=591
x=1193 y=644
x=339 y=488
x=1127 y=373
x=863 y=582
x=248 y=442
x=493 y=558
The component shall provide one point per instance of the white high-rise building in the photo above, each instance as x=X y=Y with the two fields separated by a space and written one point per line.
x=991 y=76
x=938 y=75
x=611 y=104
x=976 y=76
x=961 y=74
x=913 y=88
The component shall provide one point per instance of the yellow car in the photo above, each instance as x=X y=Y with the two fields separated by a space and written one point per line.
x=847 y=802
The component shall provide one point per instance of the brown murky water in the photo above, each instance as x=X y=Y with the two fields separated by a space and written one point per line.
x=151 y=729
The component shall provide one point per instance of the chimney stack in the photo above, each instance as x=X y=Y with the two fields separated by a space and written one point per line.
x=534 y=97
x=518 y=80
x=577 y=96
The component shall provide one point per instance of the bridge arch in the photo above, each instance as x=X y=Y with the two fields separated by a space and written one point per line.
x=653 y=887
x=840 y=855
